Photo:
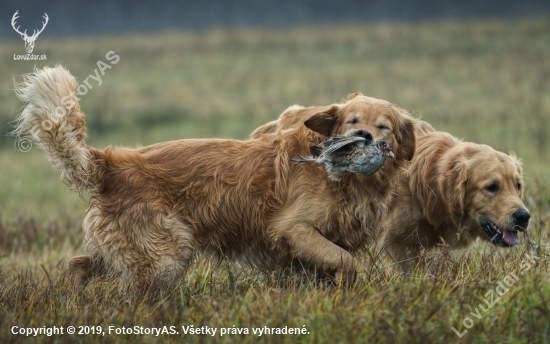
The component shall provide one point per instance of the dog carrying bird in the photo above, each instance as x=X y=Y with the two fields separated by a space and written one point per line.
x=341 y=154
x=153 y=209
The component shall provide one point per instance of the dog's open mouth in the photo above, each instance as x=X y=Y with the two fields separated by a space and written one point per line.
x=500 y=237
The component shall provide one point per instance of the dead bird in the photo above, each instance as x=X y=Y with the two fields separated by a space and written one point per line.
x=341 y=154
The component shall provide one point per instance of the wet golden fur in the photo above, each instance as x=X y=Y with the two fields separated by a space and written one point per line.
x=153 y=208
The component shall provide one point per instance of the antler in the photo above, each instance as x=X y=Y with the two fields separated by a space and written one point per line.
x=43 y=26
x=13 y=22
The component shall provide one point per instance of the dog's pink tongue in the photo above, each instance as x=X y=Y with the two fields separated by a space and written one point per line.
x=511 y=238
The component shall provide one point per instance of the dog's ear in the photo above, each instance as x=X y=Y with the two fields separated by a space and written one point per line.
x=405 y=135
x=325 y=121
x=453 y=185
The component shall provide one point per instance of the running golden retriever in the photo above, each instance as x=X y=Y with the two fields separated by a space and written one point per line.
x=454 y=192
x=153 y=208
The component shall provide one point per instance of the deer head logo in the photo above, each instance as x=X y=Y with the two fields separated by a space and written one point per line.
x=29 y=40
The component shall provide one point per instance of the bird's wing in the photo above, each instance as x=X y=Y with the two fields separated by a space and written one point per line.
x=342 y=143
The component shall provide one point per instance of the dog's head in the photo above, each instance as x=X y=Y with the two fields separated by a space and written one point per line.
x=483 y=188
x=370 y=118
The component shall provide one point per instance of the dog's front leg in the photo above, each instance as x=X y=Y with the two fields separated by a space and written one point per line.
x=305 y=244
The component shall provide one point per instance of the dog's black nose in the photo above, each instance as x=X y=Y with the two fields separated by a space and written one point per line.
x=521 y=218
x=364 y=133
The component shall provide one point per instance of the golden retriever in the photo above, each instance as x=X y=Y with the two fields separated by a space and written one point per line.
x=153 y=208
x=454 y=192
x=451 y=191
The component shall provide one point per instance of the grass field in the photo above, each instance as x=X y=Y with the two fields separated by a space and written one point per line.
x=486 y=82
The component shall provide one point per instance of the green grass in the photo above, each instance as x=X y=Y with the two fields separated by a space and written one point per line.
x=486 y=82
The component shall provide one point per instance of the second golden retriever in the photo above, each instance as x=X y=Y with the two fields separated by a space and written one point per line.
x=454 y=192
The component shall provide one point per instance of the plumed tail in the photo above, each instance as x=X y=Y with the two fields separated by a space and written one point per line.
x=51 y=117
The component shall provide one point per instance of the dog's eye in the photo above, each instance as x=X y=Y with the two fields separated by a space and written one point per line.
x=493 y=187
x=354 y=120
x=382 y=127
x=518 y=186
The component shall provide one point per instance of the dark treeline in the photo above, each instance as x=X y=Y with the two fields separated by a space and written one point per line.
x=108 y=17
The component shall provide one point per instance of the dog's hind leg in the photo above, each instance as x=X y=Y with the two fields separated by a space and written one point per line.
x=145 y=249
x=170 y=254
x=181 y=249
x=83 y=268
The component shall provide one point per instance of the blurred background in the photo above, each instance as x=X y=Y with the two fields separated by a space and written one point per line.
x=477 y=69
